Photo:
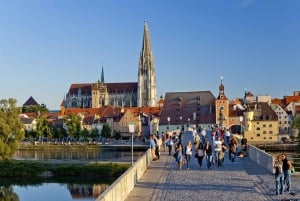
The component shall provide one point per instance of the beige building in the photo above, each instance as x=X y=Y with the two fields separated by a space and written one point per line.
x=261 y=124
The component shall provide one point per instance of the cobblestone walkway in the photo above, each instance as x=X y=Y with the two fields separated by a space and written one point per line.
x=241 y=180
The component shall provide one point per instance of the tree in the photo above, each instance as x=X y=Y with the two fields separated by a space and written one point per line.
x=11 y=128
x=95 y=133
x=106 y=131
x=73 y=123
x=43 y=127
x=35 y=108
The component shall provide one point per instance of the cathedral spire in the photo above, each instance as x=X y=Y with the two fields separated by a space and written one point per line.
x=146 y=73
x=146 y=48
x=102 y=75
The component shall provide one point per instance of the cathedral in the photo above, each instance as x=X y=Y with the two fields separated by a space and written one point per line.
x=125 y=94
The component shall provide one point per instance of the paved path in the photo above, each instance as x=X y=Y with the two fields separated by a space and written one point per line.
x=241 y=180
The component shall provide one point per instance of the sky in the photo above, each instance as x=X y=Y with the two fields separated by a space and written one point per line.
x=45 y=46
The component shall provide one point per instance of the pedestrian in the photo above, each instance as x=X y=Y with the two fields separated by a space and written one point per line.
x=286 y=166
x=188 y=153
x=278 y=175
x=208 y=154
x=217 y=150
x=203 y=135
x=227 y=136
x=179 y=155
x=169 y=144
x=157 y=146
x=222 y=153
x=152 y=147
x=200 y=154
x=232 y=148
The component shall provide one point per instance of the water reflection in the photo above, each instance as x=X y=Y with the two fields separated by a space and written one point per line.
x=77 y=154
x=55 y=192
x=62 y=189
x=8 y=194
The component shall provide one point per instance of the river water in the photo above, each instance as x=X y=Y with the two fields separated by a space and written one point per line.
x=71 y=189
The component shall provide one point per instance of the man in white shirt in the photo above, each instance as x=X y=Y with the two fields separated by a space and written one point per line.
x=203 y=135
x=218 y=149
x=227 y=136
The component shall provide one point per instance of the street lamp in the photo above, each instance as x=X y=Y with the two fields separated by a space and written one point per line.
x=188 y=123
x=168 y=119
x=241 y=129
x=131 y=131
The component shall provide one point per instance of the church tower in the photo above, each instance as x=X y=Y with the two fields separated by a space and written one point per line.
x=222 y=107
x=146 y=74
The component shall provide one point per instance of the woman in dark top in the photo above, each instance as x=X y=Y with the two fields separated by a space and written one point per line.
x=208 y=153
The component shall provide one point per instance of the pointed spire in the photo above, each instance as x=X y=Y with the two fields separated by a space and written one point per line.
x=102 y=75
x=146 y=49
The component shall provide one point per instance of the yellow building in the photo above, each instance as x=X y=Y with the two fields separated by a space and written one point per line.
x=261 y=124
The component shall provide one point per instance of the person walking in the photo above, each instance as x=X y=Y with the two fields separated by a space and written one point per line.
x=169 y=144
x=179 y=156
x=188 y=154
x=227 y=136
x=278 y=175
x=286 y=167
x=152 y=147
x=203 y=135
x=200 y=155
x=222 y=153
x=208 y=154
x=232 y=148
x=217 y=150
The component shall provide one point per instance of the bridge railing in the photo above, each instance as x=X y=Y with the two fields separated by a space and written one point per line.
x=266 y=160
x=120 y=188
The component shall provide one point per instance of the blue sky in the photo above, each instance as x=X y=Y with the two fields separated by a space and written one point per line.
x=45 y=46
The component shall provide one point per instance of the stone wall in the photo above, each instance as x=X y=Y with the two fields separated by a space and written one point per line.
x=261 y=157
x=120 y=189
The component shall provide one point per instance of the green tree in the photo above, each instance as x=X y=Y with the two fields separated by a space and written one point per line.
x=95 y=133
x=85 y=134
x=106 y=131
x=35 y=108
x=43 y=127
x=73 y=123
x=11 y=128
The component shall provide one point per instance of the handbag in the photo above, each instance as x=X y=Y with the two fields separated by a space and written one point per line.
x=293 y=170
x=175 y=154
x=196 y=155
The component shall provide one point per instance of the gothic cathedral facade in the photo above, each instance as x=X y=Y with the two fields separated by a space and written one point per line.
x=126 y=94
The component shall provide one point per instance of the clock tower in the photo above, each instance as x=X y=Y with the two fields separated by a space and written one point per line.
x=222 y=107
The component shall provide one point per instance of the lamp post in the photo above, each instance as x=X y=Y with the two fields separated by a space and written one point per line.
x=168 y=119
x=241 y=129
x=131 y=131
x=188 y=123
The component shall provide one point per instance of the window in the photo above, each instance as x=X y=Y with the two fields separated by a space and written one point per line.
x=257 y=135
x=270 y=132
x=270 y=125
x=270 y=138
x=257 y=128
x=264 y=125
x=265 y=132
